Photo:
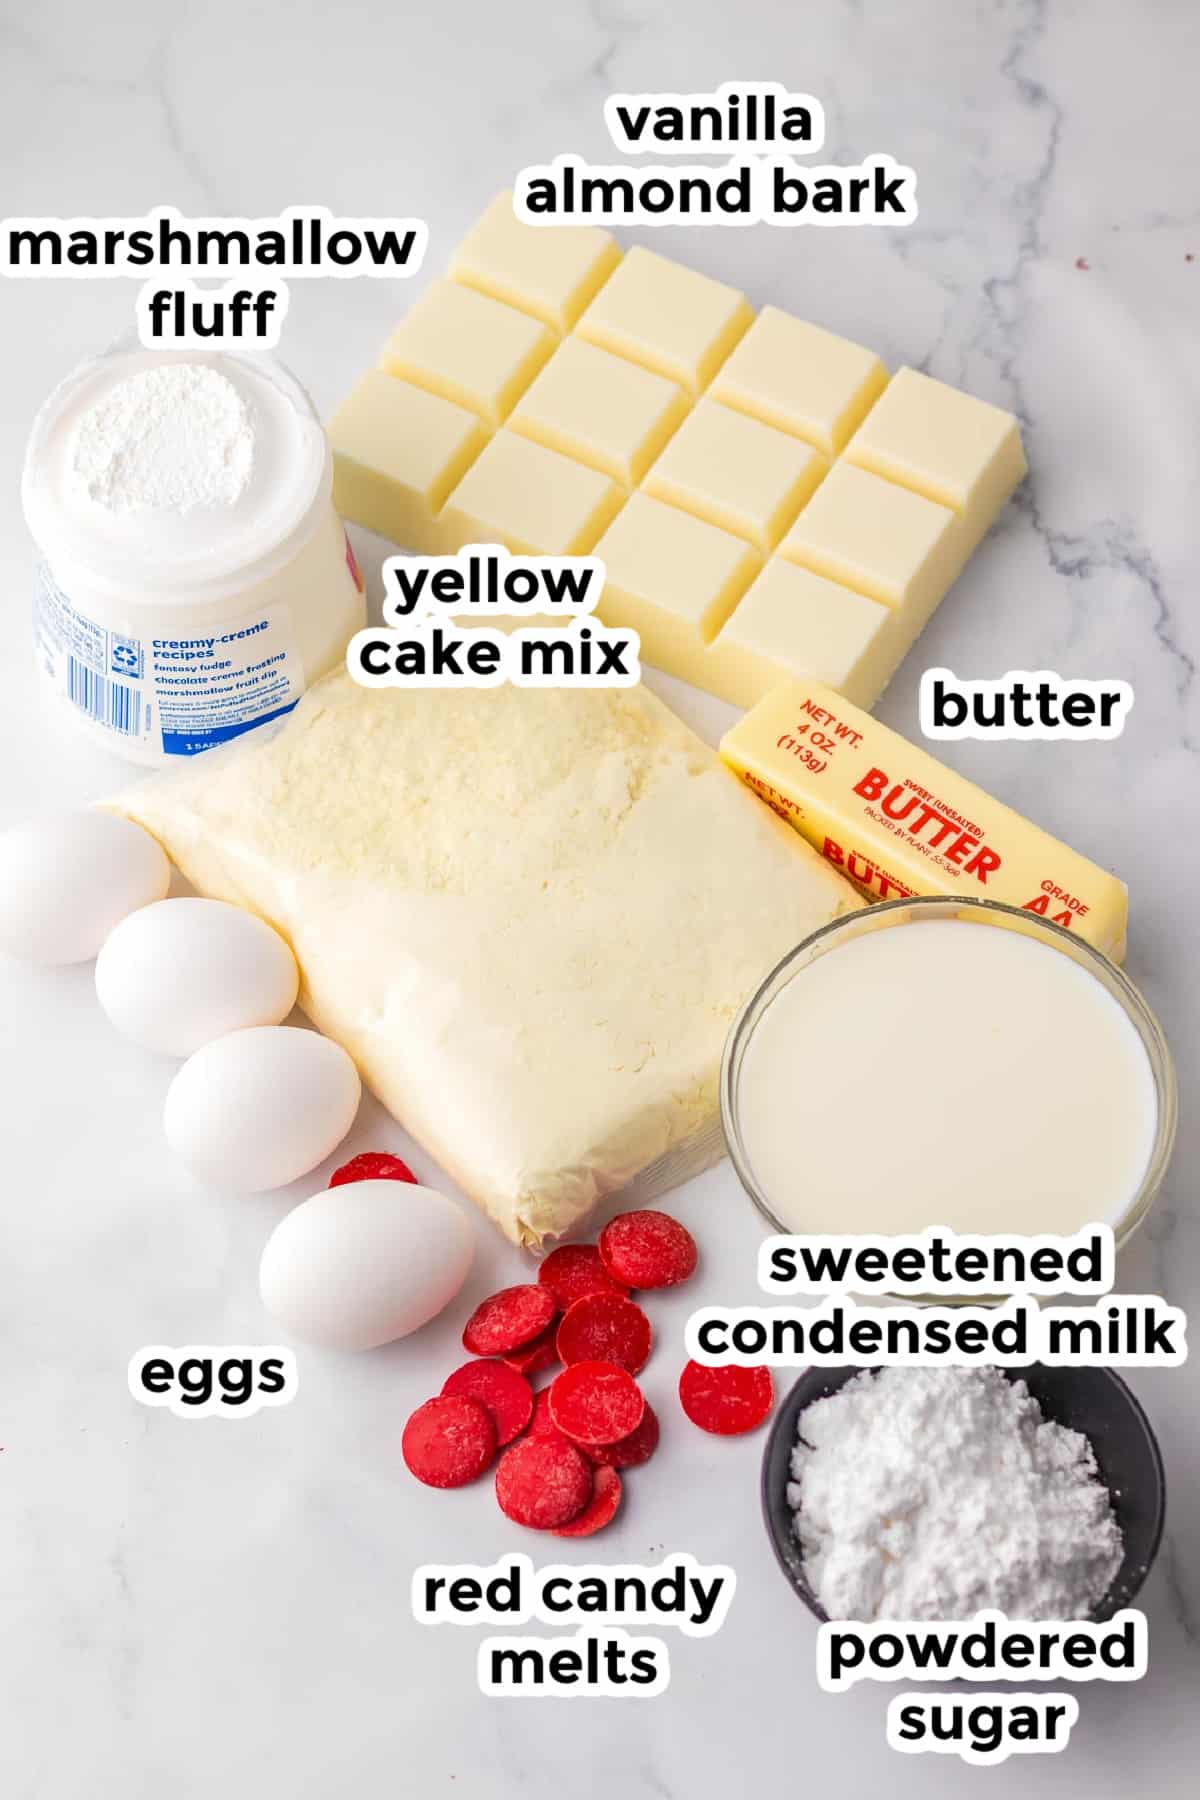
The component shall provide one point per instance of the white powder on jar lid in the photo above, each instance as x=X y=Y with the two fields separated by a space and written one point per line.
x=929 y=1493
x=168 y=439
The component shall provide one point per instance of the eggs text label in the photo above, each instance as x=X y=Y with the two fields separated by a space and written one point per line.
x=213 y=1380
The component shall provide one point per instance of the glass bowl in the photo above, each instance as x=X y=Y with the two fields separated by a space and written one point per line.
x=890 y=915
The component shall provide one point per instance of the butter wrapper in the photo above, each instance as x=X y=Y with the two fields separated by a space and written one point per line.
x=897 y=822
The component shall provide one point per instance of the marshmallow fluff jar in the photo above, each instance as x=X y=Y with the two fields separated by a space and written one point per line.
x=948 y=1062
x=194 y=577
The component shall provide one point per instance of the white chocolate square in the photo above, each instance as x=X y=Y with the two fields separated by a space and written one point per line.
x=397 y=453
x=877 y=538
x=469 y=349
x=742 y=438
x=944 y=444
x=737 y=473
x=550 y=271
x=667 y=317
x=801 y=379
x=673 y=579
x=600 y=409
x=791 y=624
x=530 y=499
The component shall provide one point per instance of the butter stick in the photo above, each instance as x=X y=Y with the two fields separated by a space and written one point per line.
x=897 y=822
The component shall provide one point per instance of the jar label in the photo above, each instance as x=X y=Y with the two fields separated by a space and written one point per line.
x=180 y=695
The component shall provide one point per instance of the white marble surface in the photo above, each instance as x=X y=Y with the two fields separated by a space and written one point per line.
x=193 y=1609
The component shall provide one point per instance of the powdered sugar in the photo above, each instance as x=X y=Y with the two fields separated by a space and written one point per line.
x=928 y=1493
x=172 y=437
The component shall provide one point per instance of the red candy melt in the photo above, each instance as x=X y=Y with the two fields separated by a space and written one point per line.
x=539 y=1353
x=600 y=1510
x=629 y=1452
x=605 y=1328
x=505 y=1394
x=543 y=1482
x=506 y=1320
x=596 y=1403
x=648 y=1249
x=372 y=1165
x=541 y=1424
x=566 y=1445
x=449 y=1441
x=728 y=1400
x=575 y=1270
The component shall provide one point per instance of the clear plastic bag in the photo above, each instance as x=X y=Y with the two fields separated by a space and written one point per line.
x=529 y=915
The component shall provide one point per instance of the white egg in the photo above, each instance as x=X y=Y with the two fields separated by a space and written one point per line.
x=179 y=973
x=260 y=1108
x=65 y=882
x=364 y=1263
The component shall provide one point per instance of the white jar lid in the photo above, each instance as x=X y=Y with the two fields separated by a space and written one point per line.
x=164 y=553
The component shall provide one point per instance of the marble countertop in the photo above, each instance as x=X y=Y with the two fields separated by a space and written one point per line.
x=222 y=1607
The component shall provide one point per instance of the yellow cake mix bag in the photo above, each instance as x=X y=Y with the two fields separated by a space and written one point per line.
x=529 y=915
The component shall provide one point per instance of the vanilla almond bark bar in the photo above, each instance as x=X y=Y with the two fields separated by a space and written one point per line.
x=839 y=505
